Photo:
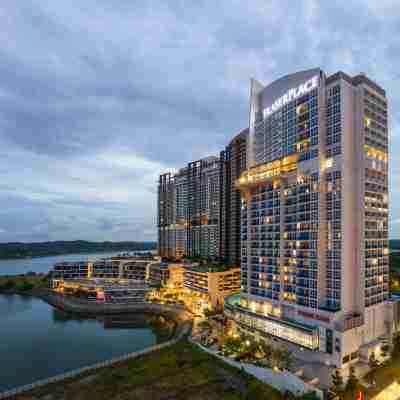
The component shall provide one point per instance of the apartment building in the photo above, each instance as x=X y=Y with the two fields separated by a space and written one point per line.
x=166 y=205
x=233 y=163
x=314 y=224
x=189 y=210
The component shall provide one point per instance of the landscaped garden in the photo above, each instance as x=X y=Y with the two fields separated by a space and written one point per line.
x=244 y=348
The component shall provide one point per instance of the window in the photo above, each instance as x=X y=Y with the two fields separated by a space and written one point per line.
x=328 y=163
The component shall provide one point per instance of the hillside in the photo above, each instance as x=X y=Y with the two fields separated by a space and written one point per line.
x=24 y=250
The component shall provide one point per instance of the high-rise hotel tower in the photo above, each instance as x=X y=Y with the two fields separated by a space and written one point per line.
x=314 y=261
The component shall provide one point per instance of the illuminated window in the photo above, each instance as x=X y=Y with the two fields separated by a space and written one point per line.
x=328 y=163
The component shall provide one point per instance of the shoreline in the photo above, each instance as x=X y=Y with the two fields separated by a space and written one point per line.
x=178 y=314
x=72 y=253
x=181 y=319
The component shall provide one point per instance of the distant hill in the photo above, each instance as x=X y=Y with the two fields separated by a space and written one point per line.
x=24 y=250
x=394 y=244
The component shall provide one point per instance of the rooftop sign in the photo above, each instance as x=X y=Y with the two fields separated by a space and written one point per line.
x=292 y=94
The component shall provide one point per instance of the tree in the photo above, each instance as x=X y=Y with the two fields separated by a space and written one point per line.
x=373 y=365
x=307 y=396
x=276 y=357
x=396 y=346
x=281 y=357
x=24 y=285
x=384 y=350
x=286 y=358
x=267 y=349
x=233 y=345
x=373 y=362
x=337 y=381
x=352 y=382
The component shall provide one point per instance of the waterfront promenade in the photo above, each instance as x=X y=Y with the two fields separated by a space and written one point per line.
x=84 y=307
x=93 y=308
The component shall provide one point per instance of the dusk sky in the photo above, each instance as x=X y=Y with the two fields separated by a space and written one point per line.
x=97 y=98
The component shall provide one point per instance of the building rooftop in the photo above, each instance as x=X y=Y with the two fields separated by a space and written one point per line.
x=211 y=268
x=109 y=284
x=355 y=80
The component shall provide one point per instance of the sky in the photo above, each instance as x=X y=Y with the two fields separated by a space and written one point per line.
x=98 y=97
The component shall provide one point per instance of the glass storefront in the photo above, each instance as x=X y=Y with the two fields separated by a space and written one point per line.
x=296 y=333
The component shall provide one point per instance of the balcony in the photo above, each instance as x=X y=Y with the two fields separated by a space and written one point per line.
x=350 y=322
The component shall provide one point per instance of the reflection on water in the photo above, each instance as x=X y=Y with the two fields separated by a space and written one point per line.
x=12 y=305
x=125 y=322
x=38 y=341
x=162 y=328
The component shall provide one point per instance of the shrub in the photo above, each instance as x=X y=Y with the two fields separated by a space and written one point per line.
x=8 y=284
x=352 y=382
x=337 y=381
x=24 y=285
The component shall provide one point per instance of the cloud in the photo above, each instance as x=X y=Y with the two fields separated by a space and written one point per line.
x=98 y=98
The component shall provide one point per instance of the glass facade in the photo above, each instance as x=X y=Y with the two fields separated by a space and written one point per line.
x=280 y=215
x=376 y=199
x=302 y=335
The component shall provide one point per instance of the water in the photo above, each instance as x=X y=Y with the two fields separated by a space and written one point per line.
x=44 y=264
x=38 y=341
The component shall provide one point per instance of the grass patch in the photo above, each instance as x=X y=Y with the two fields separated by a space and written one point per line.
x=181 y=371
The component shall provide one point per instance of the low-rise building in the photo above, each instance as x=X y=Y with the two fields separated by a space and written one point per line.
x=159 y=273
x=70 y=270
x=135 y=269
x=104 y=269
x=116 y=280
x=104 y=290
x=206 y=287
x=117 y=267
x=169 y=274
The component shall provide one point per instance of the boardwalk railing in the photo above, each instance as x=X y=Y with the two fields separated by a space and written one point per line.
x=71 y=374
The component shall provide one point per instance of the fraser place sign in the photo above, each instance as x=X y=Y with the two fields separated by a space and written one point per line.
x=292 y=94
